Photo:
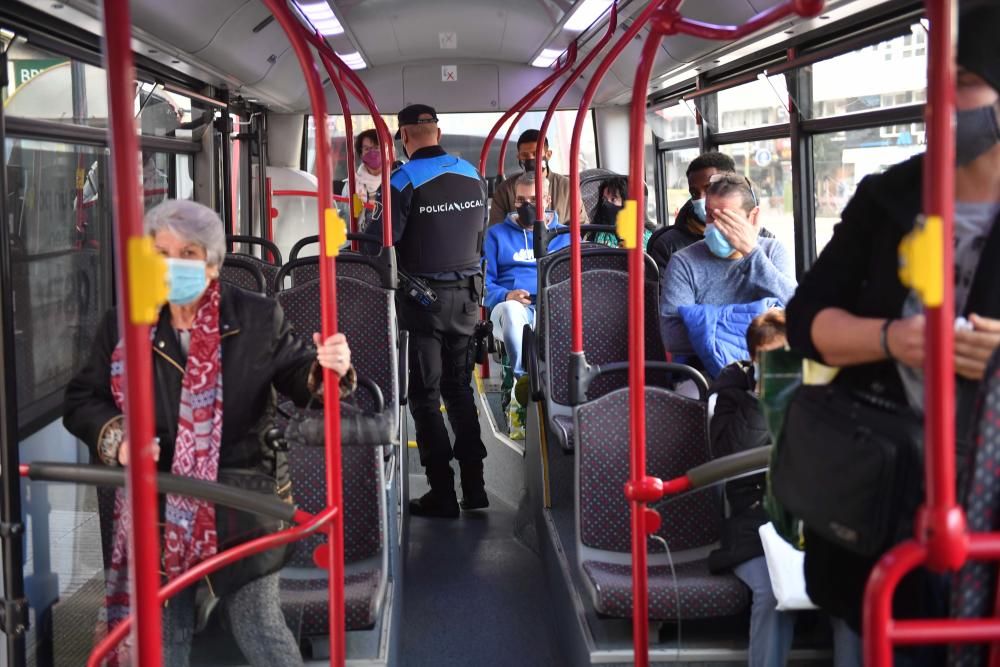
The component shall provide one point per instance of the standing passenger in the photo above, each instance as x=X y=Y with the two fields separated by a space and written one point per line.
x=368 y=178
x=438 y=222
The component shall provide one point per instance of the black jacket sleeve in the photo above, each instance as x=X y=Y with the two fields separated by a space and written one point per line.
x=88 y=406
x=738 y=423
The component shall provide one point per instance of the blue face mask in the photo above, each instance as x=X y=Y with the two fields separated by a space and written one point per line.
x=717 y=243
x=187 y=279
x=699 y=208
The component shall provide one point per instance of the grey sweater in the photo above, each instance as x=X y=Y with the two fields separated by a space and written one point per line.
x=696 y=276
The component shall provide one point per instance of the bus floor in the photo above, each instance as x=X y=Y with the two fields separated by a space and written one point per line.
x=473 y=594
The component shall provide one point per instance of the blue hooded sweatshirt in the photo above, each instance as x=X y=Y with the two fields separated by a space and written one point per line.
x=510 y=258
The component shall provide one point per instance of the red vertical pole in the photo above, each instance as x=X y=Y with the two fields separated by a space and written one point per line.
x=345 y=107
x=328 y=300
x=144 y=539
x=576 y=266
x=940 y=521
x=637 y=349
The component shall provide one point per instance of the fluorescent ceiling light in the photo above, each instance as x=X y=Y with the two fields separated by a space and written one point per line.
x=586 y=13
x=322 y=17
x=546 y=58
x=353 y=60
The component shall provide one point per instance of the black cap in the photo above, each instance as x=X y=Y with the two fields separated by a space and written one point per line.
x=978 y=46
x=411 y=115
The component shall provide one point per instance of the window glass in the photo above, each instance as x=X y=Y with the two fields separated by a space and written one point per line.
x=463 y=134
x=895 y=74
x=842 y=159
x=675 y=164
x=756 y=104
x=674 y=123
x=768 y=164
x=61 y=247
x=46 y=86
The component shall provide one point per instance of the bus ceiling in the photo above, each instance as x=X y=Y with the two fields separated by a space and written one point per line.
x=480 y=59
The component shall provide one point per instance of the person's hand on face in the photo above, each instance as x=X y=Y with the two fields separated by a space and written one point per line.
x=974 y=349
x=519 y=295
x=736 y=227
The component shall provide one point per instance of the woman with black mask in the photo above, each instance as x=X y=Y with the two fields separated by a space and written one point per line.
x=614 y=190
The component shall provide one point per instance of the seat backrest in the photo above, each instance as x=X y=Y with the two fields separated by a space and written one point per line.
x=266 y=268
x=974 y=587
x=241 y=271
x=378 y=270
x=605 y=323
x=676 y=441
x=257 y=247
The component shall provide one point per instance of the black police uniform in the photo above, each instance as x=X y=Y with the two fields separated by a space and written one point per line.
x=439 y=218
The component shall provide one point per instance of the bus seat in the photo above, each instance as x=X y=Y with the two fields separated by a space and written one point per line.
x=244 y=273
x=378 y=270
x=677 y=440
x=605 y=321
x=974 y=589
x=590 y=188
x=366 y=314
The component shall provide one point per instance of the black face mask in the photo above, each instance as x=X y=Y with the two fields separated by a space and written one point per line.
x=607 y=212
x=526 y=214
x=529 y=166
x=976 y=131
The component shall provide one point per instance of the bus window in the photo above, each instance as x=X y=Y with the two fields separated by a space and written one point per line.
x=768 y=164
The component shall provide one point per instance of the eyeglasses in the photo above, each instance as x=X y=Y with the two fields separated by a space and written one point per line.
x=521 y=201
x=734 y=179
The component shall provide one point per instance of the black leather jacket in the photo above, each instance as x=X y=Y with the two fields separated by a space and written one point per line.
x=260 y=353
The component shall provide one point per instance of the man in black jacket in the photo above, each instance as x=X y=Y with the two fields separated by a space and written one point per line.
x=438 y=223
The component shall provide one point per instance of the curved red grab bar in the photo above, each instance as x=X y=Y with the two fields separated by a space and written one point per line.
x=208 y=566
x=550 y=112
x=140 y=419
x=328 y=311
x=576 y=266
x=524 y=103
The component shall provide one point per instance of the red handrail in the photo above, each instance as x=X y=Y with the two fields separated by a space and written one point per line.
x=641 y=488
x=309 y=525
x=309 y=193
x=521 y=106
x=556 y=99
x=328 y=308
x=140 y=420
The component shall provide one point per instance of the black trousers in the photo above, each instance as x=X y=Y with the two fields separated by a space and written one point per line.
x=441 y=368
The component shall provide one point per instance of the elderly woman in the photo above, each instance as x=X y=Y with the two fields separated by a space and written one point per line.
x=218 y=355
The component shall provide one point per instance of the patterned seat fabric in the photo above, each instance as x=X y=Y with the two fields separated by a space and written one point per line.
x=702 y=594
x=677 y=440
x=269 y=270
x=605 y=322
x=304 y=602
x=241 y=277
x=974 y=590
x=305 y=274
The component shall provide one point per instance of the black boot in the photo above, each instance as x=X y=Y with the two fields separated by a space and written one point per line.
x=473 y=487
x=440 y=502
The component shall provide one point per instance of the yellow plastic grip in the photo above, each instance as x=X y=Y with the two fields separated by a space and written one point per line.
x=921 y=261
x=147 y=274
x=357 y=205
x=336 y=232
x=625 y=224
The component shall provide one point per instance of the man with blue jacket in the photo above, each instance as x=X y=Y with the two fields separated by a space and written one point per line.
x=511 y=272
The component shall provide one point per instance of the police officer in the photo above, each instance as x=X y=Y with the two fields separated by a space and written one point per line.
x=438 y=223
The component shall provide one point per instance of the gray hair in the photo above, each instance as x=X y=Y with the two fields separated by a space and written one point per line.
x=529 y=180
x=192 y=222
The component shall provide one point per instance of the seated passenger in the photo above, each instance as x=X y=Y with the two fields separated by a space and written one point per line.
x=209 y=331
x=689 y=226
x=739 y=425
x=614 y=192
x=714 y=288
x=503 y=202
x=511 y=272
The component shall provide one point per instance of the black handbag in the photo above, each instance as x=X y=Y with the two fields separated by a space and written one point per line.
x=234 y=527
x=848 y=464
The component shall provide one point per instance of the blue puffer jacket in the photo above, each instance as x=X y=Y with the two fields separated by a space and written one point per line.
x=719 y=333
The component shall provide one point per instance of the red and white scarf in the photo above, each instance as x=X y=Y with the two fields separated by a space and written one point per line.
x=189 y=535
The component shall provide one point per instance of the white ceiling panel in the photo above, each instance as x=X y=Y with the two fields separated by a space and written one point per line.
x=188 y=24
